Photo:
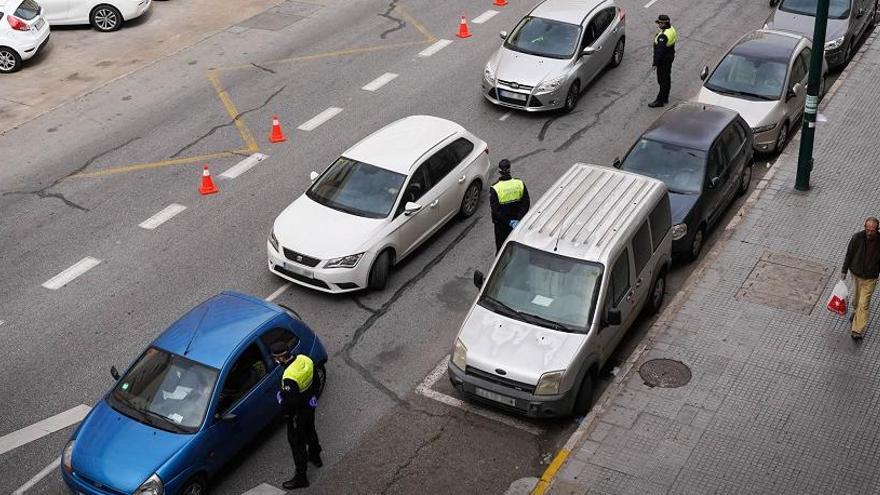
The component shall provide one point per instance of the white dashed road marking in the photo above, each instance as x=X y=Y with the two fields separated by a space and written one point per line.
x=380 y=81
x=243 y=166
x=652 y=2
x=320 y=119
x=278 y=292
x=39 y=476
x=504 y=117
x=40 y=429
x=485 y=16
x=67 y=276
x=163 y=216
x=264 y=489
x=436 y=47
x=425 y=390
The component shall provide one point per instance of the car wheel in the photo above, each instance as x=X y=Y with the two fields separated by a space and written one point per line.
x=585 y=396
x=379 y=271
x=617 y=56
x=696 y=244
x=320 y=378
x=105 y=18
x=571 y=99
x=10 y=61
x=745 y=180
x=847 y=53
x=782 y=137
x=470 y=200
x=658 y=293
x=195 y=486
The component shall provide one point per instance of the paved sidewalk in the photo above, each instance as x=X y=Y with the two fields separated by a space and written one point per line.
x=781 y=400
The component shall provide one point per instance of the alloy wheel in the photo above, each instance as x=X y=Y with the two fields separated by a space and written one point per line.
x=618 y=52
x=106 y=19
x=782 y=138
x=7 y=61
x=471 y=197
x=659 y=291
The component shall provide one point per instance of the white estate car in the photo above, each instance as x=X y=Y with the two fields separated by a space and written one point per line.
x=103 y=15
x=376 y=203
x=23 y=33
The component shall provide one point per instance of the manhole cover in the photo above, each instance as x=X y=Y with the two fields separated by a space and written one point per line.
x=665 y=373
x=786 y=282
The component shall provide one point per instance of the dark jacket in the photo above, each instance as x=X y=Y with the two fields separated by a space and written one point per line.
x=663 y=54
x=855 y=257
x=293 y=401
x=503 y=214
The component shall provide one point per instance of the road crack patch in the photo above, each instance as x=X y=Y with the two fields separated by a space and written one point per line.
x=387 y=14
x=398 y=473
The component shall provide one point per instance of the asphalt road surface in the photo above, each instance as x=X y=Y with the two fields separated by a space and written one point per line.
x=76 y=182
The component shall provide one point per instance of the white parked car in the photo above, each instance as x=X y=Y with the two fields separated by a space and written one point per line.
x=376 y=203
x=103 y=15
x=23 y=33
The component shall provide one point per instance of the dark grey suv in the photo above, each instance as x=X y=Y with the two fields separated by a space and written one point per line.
x=703 y=153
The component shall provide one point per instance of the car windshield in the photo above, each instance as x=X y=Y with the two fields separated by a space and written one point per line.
x=27 y=10
x=681 y=169
x=543 y=288
x=357 y=188
x=837 y=9
x=748 y=77
x=166 y=391
x=544 y=38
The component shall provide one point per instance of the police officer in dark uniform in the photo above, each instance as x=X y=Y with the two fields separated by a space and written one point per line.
x=298 y=398
x=664 y=54
x=509 y=201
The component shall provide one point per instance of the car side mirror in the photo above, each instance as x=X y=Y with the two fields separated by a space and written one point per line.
x=479 y=278
x=704 y=73
x=411 y=208
x=503 y=35
x=617 y=163
x=314 y=175
x=860 y=13
x=793 y=91
x=114 y=373
x=613 y=317
x=588 y=51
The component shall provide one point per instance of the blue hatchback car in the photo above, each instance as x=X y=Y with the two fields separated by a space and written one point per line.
x=199 y=393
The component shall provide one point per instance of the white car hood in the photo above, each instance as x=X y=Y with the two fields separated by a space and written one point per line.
x=754 y=112
x=524 y=351
x=315 y=230
x=526 y=69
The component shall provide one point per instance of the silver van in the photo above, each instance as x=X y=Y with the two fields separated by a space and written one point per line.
x=589 y=256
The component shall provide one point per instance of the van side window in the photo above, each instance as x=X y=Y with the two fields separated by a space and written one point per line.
x=620 y=278
x=641 y=245
x=661 y=221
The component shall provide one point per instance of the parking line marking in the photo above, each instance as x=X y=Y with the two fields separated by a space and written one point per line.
x=38 y=477
x=264 y=489
x=163 y=216
x=652 y=2
x=485 y=16
x=243 y=166
x=164 y=163
x=380 y=81
x=67 y=276
x=436 y=47
x=320 y=119
x=424 y=389
x=28 y=434
x=278 y=292
x=233 y=112
x=504 y=117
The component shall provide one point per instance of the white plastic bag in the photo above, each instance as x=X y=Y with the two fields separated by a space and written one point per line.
x=837 y=301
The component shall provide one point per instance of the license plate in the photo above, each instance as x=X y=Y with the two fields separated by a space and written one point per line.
x=512 y=95
x=503 y=399
x=39 y=24
x=299 y=271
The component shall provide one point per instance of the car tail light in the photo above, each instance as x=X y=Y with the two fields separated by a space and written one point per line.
x=17 y=24
x=622 y=14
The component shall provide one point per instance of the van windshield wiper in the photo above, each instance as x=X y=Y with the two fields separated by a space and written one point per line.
x=546 y=322
x=500 y=305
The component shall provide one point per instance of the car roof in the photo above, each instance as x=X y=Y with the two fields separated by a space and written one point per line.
x=766 y=44
x=212 y=331
x=400 y=144
x=691 y=125
x=588 y=211
x=571 y=11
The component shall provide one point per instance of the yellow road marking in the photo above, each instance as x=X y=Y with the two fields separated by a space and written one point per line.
x=429 y=36
x=550 y=473
x=164 y=163
x=317 y=56
x=246 y=135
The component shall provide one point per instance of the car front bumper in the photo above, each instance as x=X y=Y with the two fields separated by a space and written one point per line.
x=523 y=97
x=80 y=486
x=765 y=142
x=837 y=57
x=331 y=280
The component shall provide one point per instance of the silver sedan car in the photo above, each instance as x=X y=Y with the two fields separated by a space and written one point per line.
x=553 y=53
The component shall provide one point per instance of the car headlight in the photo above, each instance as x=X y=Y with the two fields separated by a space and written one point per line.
x=67 y=457
x=835 y=43
x=274 y=241
x=679 y=230
x=349 y=261
x=153 y=486
x=764 y=128
x=549 y=383
x=459 y=355
x=489 y=72
x=551 y=84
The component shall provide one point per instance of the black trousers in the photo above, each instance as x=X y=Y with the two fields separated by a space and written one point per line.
x=501 y=233
x=664 y=79
x=303 y=438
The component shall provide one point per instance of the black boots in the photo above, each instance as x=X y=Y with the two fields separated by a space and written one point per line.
x=316 y=459
x=656 y=103
x=298 y=481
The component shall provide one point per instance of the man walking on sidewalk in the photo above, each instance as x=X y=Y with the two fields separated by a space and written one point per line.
x=863 y=260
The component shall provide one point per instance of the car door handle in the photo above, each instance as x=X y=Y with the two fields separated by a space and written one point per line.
x=462 y=179
x=629 y=297
x=638 y=283
x=434 y=203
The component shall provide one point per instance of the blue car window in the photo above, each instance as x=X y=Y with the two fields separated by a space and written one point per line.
x=246 y=372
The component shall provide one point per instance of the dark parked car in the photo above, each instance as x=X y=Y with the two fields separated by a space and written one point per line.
x=703 y=153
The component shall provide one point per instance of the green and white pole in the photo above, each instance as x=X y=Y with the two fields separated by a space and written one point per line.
x=808 y=131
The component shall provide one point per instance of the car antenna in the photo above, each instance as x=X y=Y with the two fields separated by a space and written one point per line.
x=195 y=332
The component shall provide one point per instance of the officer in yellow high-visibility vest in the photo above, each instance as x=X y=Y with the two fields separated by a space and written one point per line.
x=297 y=397
x=664 y=54
x=509 y=201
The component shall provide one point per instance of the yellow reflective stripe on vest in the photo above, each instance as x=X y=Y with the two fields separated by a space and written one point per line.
x=509 y=191
x=671 y=36
x=301 y=371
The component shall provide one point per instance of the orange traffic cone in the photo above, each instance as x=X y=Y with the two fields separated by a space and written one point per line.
x=208 y=186
x=463 y=31
x=276 y=136
x=500 y=3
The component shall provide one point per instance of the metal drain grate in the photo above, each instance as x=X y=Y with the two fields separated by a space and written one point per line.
x=665 y=373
